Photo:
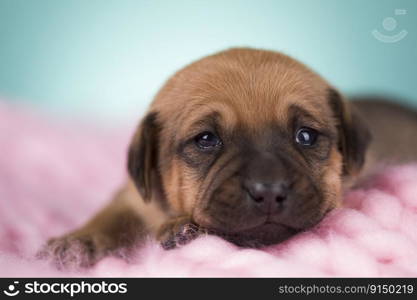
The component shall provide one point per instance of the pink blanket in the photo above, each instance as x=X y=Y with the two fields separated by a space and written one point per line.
x=54 y=175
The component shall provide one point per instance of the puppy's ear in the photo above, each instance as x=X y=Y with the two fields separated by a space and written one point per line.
x=143 y=157
x=353 y=133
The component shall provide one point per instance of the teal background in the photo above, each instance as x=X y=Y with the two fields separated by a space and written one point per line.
x=108 y=58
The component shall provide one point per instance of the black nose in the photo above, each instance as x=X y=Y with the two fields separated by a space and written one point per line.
x=268 y=197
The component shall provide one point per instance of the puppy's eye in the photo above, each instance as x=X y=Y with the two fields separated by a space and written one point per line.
x=207 y=140
x=306 y=136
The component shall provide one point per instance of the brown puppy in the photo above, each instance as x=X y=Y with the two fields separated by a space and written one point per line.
x=247 y=144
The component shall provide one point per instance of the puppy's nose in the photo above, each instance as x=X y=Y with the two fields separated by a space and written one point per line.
x=268 y=197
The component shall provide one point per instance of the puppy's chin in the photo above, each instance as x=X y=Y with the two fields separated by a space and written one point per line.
x=259 y=236
x=267 y=232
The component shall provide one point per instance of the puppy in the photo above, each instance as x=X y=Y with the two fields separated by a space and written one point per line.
x=247 y=144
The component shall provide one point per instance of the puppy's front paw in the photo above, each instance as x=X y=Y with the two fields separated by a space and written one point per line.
x=74 y=251
x=178 y=234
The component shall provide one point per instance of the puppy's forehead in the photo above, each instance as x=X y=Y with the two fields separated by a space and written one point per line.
x=242 y=87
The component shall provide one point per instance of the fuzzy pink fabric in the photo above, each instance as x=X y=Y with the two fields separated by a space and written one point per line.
x=55 y=174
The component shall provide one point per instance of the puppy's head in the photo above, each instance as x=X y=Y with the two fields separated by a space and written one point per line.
x=251 y=144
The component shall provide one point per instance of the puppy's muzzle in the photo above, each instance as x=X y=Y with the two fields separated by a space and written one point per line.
x=267 y=184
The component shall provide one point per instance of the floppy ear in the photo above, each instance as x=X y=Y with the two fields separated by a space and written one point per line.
x=143 y=157
x=353 y=133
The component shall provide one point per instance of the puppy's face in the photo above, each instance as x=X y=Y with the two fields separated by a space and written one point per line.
x=251 y=144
